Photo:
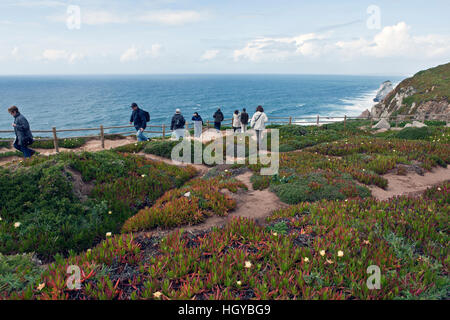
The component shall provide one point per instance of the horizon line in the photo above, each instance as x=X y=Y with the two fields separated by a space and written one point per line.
x=203 y=74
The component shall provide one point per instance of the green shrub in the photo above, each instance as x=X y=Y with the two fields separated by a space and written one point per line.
x=5 y=144
x=292 y=130
x=435 y=123
x=162 y=148
x=68 y=143
x=17 y=272
x=414 y=133
x=11 y=154
x=315 y=186
x=40 y=196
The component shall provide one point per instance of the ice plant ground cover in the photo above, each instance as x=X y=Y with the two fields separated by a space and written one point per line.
x=46 y=209
x=330 y=170
x=191 y=204
x=319 y=250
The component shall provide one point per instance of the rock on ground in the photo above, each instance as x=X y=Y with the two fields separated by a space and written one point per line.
x=382 y=124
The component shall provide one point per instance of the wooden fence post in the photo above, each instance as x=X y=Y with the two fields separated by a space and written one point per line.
x=290 y=120
x=345 y=121
x=55 y=140
x=164 y=131
x=318 y=120
x=207 y=124
x=102 y=136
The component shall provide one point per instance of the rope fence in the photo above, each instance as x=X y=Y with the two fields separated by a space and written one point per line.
x=164 y=130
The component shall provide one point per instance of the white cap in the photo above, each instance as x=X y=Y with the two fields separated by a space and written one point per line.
x=178 y=111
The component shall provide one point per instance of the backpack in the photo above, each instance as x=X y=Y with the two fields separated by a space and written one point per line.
x=179 y=122
x=218 y=117
x=244 y=118
x=147 y=116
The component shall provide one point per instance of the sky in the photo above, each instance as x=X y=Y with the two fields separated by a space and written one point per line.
x=394 y=37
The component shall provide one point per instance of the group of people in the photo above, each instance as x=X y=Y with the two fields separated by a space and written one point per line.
x=139 y=118
x=240 y=122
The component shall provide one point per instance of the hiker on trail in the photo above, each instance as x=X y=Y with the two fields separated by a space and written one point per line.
x=218 y=118
x=198 y=125
x=177 y=125
x=236 y=121
x=244 y=120
x=139 y=118
x=258 y=123
x=24 y=138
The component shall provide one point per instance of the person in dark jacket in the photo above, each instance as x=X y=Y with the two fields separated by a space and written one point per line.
x=177 y=125
x=198 y=125
x=23 y=133
x=244 y=120
x=140 y=122
x=218 y=118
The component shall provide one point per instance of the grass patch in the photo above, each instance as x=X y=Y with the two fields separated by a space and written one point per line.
x=42 y=213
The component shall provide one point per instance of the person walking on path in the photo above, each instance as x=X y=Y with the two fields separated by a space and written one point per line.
x=177 y=125
x=244 y=120
x=258 y=123
x=236 y=121
x=218 y=118
x=139 y=118
x=198 y=125
x=24 y=138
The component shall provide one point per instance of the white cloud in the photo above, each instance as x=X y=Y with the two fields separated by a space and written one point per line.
x=397 y=41
x=391 y=41
x=171 y=17
x=280 y=48
x=155 y=51
x=134 y=53
x=15 y=52
x=102 y=17
x=38 y=3
x=61 y=55
x=209 y=55
x=130 y=54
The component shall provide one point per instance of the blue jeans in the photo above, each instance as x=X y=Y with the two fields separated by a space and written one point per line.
x=217 y=126
x=140 y=136
x=27 y=152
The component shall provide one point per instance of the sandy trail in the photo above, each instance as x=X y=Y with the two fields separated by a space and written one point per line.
x=201 y=168
x=411 y=184
x=251 y=204
x=91 y=145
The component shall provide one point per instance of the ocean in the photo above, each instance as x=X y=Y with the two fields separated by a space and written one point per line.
x=88 y=101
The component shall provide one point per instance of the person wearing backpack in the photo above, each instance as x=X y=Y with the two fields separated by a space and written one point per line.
x=177 y=125
x=218 y=118
x=258 y=123
x=139 y=118
x=24 y=138
x=244 y=120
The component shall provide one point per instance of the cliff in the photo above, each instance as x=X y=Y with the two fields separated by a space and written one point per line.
x=423 y=95
x=385 y=88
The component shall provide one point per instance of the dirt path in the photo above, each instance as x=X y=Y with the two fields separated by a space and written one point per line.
x=91 y=145
x=200 y=167
x=251 y=204
x=411 y=184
